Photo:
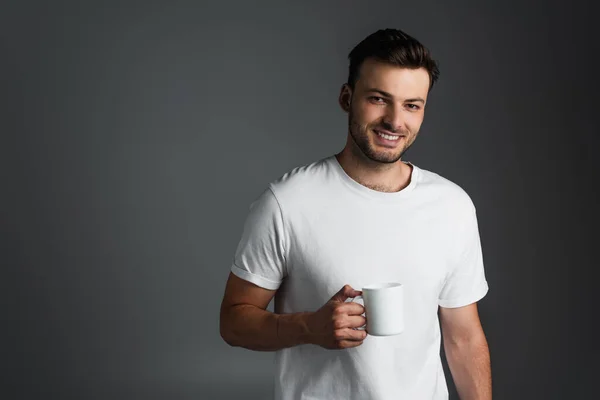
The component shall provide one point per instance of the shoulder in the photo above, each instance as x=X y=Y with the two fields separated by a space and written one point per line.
x=292 y=187
x=445 y=191
x=302 y=179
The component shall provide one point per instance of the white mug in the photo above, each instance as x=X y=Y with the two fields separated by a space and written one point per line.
x=384 y=308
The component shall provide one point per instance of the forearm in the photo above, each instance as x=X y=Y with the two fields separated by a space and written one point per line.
x=256 y=329
x=469 y=363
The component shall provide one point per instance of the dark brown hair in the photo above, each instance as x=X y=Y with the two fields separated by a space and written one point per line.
x=395 y=47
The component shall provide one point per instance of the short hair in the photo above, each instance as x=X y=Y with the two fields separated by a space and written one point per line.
x=395 y=47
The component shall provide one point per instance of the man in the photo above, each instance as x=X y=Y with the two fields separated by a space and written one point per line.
x=323 y=231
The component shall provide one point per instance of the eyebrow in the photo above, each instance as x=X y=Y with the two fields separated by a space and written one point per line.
x=386 y=94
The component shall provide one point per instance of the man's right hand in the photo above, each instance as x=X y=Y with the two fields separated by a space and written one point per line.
x=332 y=326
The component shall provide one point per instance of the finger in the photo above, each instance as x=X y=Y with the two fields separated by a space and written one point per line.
x=353 y=309
x=346 y=292
x=350 y=335
x=348 y=344
x=349 y=309
x=356 y=322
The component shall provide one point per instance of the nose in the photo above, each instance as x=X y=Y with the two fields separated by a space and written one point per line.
x=393 y=120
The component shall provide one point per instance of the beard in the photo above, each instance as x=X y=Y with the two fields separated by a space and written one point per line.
x=360 y=135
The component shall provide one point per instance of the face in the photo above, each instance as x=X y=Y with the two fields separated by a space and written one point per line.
x=386 y=109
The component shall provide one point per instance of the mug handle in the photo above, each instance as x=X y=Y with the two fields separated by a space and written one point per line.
x=350 y=300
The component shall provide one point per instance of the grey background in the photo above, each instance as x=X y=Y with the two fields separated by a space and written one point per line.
x=136 y=134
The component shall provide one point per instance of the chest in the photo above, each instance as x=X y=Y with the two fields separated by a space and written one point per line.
x=371 y=246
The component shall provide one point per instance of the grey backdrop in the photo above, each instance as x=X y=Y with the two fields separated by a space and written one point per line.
x=135 y=135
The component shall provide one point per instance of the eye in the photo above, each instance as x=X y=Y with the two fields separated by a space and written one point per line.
x=413 y=107
x=377 y=100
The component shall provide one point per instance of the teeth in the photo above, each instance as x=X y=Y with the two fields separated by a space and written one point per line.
x=388 y=137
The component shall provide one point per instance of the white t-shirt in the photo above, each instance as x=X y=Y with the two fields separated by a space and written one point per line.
x=315 y=229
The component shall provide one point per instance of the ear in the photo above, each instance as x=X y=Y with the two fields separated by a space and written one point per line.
x=345 y=97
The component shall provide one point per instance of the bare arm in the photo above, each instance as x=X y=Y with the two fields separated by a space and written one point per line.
x=467 y=352
x=244 y=321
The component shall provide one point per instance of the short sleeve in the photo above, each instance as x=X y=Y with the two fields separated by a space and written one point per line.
x=260 y=255
x=466 y=282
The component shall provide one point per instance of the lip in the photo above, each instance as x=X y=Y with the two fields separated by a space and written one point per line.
x=387 y=132
x=386 y=142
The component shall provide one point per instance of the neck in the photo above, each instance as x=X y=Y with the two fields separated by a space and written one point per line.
x=383 y=177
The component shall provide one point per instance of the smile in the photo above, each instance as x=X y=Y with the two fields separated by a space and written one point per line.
x=388 y=137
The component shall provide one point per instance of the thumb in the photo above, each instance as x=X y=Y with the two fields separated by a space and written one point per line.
x=346 y=292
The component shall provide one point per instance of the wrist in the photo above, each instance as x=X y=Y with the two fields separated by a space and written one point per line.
x=293 y=329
